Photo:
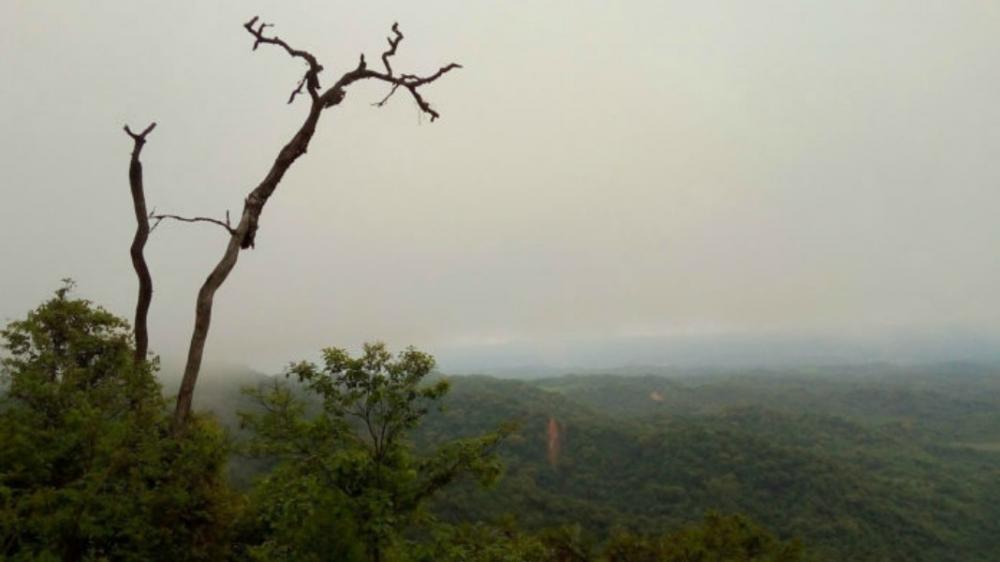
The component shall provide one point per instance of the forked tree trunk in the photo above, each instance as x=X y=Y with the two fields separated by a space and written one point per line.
x=242 y=235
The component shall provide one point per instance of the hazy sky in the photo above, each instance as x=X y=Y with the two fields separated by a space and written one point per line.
x=601 y=169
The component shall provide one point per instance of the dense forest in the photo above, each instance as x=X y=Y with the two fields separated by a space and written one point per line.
x=864 y=462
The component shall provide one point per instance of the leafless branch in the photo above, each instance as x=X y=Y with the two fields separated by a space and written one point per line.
x=335 y=94
x=392 y=91
x=224 y=224
x=140 y=137
x=409 y=81
x=393 y=43
x=311 y=78
x=297 y=90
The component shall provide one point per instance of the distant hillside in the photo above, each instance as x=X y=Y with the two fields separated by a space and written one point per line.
x=852 y=492
x=951 y=400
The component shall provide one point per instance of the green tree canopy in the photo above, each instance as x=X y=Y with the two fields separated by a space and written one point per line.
x=87 y=469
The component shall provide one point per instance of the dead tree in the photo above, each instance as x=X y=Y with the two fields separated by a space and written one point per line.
x=139 y=243
x=242 y=235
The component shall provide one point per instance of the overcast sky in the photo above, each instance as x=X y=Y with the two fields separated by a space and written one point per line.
x=601 y=170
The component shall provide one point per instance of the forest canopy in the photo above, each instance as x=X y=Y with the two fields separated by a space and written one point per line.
x=90 y=470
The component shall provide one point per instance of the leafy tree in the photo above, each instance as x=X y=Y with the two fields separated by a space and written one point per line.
x=87 y=470
x=353 y=454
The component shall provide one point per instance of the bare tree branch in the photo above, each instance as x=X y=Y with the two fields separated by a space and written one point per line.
x=297 y=90
x=411 y=82
x=393 y=43
x=335 y=94
x=142 y=229
x=311 y=78
x=387 y=96
x=408 y=81
x=140 y=137
x=224 y=224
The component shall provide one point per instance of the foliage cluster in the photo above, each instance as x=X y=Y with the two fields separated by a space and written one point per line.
x=87 y=468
